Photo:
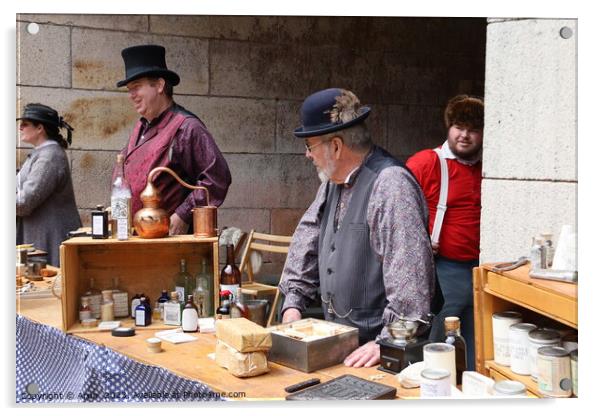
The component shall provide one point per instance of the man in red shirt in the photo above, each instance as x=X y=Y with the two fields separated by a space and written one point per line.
x=454 y=216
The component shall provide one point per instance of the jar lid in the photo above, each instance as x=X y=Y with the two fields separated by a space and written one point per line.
x=508 y=315
x=509 y=387
x=434 y=373
x=438 y=347
x=552 y=352
x=544 y=335
x=123 y=332
x=523 y=327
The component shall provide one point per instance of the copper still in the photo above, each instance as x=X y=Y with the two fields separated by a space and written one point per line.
x=153 y=222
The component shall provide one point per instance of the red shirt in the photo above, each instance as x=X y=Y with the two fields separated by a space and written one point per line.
x=460 y=233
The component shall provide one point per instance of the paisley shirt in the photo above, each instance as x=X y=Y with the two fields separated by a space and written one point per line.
x=398 y=220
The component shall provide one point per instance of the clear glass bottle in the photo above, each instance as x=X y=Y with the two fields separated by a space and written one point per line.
x=106 y=308
x=135 y=302
x=121 y=203
x=237 y=309
x=203 y=293
x=453 y=337
x=120 y=298
x=172 y=310
x=190 y=316
x=95 y=299
x=85 y=312
x=230 y=276
x=143 y=313
x=184 y=284
x=161 y=301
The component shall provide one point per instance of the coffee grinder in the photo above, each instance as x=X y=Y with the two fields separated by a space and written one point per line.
x=404 y=347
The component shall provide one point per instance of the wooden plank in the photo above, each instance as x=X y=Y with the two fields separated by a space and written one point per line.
x=273 y=238
x=188 y=238
x=552 y=304
x=269 y=248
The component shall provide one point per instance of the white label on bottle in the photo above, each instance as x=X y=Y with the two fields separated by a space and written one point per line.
x=190 y=319
x=181 y=292
x=122 y=229
x=172 y=314
x=231 y=288
x=97 y=227
x=140 y=318
x=120 y=207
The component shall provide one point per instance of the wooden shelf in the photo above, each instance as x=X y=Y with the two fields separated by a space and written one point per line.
x=497 y=292
x=125 y=323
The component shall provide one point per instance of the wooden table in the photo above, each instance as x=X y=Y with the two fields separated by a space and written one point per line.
x=190 y=360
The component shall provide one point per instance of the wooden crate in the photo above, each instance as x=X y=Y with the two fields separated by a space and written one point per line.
x=141 y=265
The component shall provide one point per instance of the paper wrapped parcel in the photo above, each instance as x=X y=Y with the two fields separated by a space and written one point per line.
x=240 y=364
x=243 y=335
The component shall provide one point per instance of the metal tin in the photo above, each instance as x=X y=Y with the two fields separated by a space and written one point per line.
x=541 y=338
x=440 y=355
x=570 y=342
x=518 y=338
x=501 y=323
x=574 y=363
x=509 y=388
x=554 y=372
x=435 y=382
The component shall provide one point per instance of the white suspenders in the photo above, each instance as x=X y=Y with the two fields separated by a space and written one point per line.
x=442 y=205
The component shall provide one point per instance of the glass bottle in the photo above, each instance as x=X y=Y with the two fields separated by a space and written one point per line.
x=95 y=299
x=106 y=308
x=184 y=284
x=161 y=301
x=85 y=312
x=121 y=203
x=100 y=222
x=143 y=313
x=230 y=275
x=172 y=310
x=135 y=302
x=237 y=309
x=203 y=294
x=453 y=337
x=190 y=316
x=223 y=311
x=120 y=299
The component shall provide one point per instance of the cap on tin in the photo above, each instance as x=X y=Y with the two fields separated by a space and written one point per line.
x=552 y=352
x=507 y=315
x=509 y=387
x=523 y=327
x=544 y=335
x=438 y=347
x=435 y=373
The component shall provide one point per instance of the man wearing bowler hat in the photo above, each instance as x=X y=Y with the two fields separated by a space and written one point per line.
x=364 y=240
x=168 y=135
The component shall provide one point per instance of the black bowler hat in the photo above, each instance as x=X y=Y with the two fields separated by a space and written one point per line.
x=328 y=111
x=41 y=113
x=146 y=61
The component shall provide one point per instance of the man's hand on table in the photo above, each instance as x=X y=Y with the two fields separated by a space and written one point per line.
x=367 y=355
x=176 y=225
x=290 y=315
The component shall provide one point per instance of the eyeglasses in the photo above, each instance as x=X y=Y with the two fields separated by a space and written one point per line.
x=308 y=147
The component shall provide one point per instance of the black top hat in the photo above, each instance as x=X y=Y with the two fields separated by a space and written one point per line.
x=316 y=113
x=144 y=61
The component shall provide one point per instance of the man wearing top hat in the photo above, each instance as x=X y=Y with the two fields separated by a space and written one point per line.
x=364 y=240
x=168 y=135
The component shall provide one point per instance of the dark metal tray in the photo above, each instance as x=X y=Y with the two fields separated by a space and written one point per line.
x=346 y=387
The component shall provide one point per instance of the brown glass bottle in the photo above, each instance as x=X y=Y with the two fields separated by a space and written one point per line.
x=230 y=276
x=453 y=337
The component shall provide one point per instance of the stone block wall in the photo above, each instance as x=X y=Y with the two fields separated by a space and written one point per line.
x=246 y=77
x=530 y=146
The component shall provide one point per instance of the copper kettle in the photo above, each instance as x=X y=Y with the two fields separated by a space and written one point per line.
x=152 y=221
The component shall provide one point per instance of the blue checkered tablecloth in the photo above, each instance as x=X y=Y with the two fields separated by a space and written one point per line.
x=56 y=368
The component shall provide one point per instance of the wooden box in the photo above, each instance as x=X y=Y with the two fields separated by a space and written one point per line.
x=311 y=344
x=140 y=265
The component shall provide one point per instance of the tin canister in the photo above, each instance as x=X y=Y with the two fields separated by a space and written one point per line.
x=574 y=362
x=440 y=355
x=509 y=388
x=554 y=372
x=519 y=348
x=570 y=342
x=540 y=338
x=501 y=322
x=435 y=382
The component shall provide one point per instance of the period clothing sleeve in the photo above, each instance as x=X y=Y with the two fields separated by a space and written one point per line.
x=398 y=218
x=300 y=278
x=197 y=154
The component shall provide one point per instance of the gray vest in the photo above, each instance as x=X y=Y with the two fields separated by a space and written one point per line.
x=351 y=276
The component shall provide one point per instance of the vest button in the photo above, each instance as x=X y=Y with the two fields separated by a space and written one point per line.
x=329 y=270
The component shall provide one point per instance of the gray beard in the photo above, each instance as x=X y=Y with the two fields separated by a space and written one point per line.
x=323 y=176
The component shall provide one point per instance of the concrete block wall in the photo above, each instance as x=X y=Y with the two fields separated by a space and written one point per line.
x=246 y=77
x=530 y=145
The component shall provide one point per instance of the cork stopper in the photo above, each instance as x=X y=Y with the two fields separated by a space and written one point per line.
x=174 y=295
x=452 y=323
